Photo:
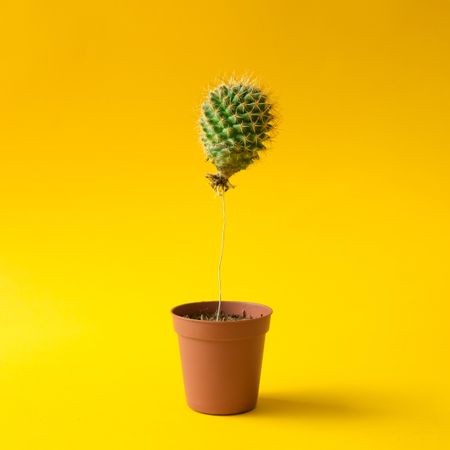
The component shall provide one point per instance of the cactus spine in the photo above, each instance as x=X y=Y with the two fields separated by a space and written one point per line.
x=236 y=124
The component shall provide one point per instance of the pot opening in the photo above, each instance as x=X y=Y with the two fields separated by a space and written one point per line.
x=230 y=311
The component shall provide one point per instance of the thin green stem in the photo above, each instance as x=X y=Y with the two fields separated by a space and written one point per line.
x=219 y=268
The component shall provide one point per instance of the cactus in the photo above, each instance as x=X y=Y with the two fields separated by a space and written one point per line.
x=236 y=124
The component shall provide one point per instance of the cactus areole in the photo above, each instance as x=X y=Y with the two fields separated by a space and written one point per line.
x=236 y=124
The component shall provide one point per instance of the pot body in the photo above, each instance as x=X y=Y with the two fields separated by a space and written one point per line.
x=221 y=360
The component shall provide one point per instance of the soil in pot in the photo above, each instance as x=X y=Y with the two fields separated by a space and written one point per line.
x=223 y=317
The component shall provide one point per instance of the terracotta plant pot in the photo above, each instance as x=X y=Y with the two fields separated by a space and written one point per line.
x=221 y=360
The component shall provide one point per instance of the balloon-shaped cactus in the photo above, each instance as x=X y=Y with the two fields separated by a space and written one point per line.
x=236 y=124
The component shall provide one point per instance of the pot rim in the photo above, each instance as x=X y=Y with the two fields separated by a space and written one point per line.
x=222 y=323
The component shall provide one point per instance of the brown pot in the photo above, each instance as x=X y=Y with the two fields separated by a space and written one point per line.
x=221 y=360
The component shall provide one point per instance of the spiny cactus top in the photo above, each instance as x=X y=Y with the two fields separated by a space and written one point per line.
x=236 y=122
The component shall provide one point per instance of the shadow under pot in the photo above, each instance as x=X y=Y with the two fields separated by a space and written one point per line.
x=221 y=360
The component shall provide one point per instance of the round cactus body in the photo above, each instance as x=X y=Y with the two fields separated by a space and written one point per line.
x=236 y=122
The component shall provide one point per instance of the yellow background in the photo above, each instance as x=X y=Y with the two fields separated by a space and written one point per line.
x=107 y=221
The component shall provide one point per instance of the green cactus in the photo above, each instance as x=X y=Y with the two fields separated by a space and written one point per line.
x=236 y=124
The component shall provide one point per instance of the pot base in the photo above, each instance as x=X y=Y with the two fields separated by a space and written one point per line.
x=200 y=410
